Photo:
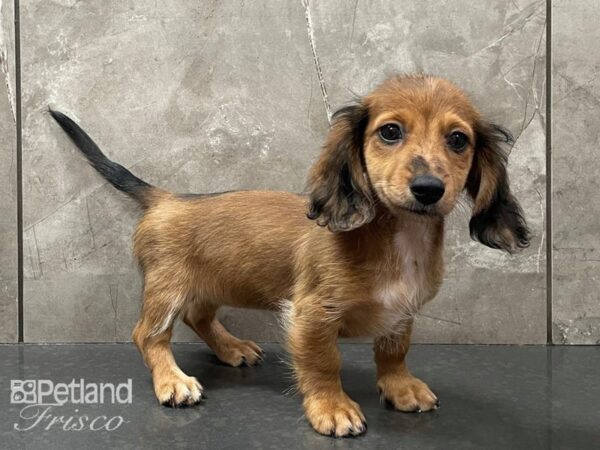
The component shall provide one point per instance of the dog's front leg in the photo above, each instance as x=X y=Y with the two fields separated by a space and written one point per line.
x=394 y=381
x=317 y=363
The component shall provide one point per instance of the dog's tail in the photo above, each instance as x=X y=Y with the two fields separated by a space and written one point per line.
x=116 y=174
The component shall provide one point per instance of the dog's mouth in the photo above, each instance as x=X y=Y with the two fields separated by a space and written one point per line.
x=410 y=205
x=420 y=210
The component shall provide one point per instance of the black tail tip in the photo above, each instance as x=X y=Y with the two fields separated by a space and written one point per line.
x=57 y=115
x=65 y=122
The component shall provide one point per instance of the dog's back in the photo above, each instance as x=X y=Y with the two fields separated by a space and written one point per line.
x=235 y=248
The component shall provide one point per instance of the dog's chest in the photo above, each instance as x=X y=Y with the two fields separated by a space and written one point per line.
x=401 y=292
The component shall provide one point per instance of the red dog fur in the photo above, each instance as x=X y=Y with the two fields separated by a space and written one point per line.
x=392 y=168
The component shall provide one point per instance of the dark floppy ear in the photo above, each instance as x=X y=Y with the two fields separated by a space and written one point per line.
x=497 y=220
x=340 y=193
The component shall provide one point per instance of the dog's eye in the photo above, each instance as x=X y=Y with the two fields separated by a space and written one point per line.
x=458 y=141
x=390 y=133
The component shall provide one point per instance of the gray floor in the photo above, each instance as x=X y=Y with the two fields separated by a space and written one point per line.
x=491 y=397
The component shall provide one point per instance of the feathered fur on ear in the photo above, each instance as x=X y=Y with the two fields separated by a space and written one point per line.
x=340 y=193
x=497 y=220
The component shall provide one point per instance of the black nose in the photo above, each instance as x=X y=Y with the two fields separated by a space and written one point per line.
x=427 y=189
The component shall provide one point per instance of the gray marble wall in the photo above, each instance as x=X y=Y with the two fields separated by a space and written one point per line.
x=576 y=165
x=209 y=96
x=8 y=178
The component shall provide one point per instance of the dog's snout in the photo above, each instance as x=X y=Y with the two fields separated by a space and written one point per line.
x=427 y=189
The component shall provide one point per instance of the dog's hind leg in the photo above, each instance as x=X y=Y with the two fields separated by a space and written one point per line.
x=152 y=335
x=201 y=317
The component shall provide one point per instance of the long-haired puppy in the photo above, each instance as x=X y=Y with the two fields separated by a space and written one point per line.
x=358 y=256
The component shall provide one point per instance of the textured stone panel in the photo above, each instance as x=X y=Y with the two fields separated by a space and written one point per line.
x=495 y=50
x=192 y=96
x=575 y=167
x=8 y=178
x=225 y=95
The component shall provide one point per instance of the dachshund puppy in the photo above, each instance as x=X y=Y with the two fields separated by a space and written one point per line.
x=362 y=262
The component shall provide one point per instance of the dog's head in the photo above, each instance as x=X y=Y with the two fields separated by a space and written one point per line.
x=414 y=144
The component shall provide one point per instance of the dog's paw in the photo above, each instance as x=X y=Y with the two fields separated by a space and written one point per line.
x=238 y=352
x=335 y=415
x=407 y=393
x=177 y=389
